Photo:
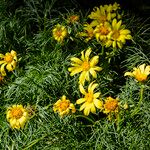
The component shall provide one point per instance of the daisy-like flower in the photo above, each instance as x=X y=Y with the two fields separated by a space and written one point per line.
x=64 y=107
x=59 y=33
x=140 y=73
x=73 y=19
x=88 y=32
x=101 y=31
x=86 y=66
x=90 y=100
x=17 y=116
x=111 y=105
x=9 y=60
x=118 y=35
x=101 y=15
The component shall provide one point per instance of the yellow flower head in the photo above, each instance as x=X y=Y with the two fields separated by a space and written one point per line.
x=73 y=18
x=118 y=35
x=140 y=73
x=90 y=100
x=85 y=65
x=9 y=60
x=63 y=106
x=101 y=32
x=101 y=15
x=111 y=105
x=17 y=116
x=88 y=32
x=59 y=33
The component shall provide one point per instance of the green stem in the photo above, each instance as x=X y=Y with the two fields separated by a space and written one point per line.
x=140 y=101
x=102 y=52
x=141 y=95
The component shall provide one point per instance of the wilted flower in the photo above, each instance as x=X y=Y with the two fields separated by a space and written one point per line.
x=59 y=33
x=73 y=18
x=84 y=65
x=9 y=60
x=111 y=105
x=88 y=32
x=17 y=116
x=140 y=73
x=90 y=100
x=101 y=32
x=64 y=107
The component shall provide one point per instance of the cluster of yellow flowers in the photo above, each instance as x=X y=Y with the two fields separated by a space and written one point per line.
x=92 y=100
x=106 y=27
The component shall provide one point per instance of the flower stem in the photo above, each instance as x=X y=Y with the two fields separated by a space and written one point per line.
x=141 y=95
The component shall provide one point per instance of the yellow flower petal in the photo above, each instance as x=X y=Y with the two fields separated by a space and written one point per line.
x=94 y=61
x=76 y=60
x=82 y=90
x=81 y=100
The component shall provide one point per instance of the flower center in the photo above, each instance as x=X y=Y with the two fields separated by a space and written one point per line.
x=8 y=58
x=59 y=33
x=89 y=97
x=16 y=113
x=111 y=105
x=141 y=76
x=64 y=105
x=116 y=34
x=85 y=66
x=103 y=30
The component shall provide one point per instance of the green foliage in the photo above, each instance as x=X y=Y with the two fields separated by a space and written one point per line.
x=42 y=77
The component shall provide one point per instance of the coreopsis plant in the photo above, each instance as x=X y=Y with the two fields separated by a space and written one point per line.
x=9 y=60
x=118 y=35
x=59 y=33
x=91 y=100
x=64 y=107
x=140 y=73
x=85 y=66
x=17 y=116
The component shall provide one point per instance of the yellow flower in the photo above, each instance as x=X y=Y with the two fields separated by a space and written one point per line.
x=101 y=31
x=9 y=60
x=90 y=100
x=59 y=33
x=63 y=106
x=73 y=18
x=17 y=116
x=85 y=66
x=118 y=35
x=101 y=15
x=88 y=32
x=140 y=73
x=111 y=105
